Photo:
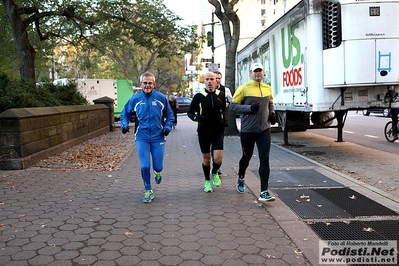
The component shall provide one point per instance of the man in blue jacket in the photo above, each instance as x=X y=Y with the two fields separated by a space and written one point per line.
x=154 y=121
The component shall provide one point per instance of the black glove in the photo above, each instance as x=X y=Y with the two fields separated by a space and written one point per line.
x=201 y=119
x=272 y=118
x=125 y=130
x=255 y=107
x=165 y=132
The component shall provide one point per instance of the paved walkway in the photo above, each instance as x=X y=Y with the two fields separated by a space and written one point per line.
x=58 y=218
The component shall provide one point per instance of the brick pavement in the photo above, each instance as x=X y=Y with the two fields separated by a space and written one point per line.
x=52 y=217
x=55 y=217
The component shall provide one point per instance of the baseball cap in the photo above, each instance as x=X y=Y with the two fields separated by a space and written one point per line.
x=256 y=66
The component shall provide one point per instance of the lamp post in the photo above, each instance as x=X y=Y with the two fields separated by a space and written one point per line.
x=210 y=36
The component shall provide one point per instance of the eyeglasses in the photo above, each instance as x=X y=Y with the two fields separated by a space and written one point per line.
x=147 y=83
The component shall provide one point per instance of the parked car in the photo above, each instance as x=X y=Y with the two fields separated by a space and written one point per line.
x=184 y=104
x=383 y=111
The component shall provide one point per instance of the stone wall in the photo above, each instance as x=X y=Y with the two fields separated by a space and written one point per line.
x=28 y=135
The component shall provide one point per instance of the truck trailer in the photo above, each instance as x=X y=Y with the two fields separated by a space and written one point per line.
x=118 y=90
x=324 y=58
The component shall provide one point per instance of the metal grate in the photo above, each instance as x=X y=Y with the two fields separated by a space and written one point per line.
x=355 y=203
x=331 y=24
x=357 y=230
x=286 y=158
x=299 y=178
x=308 y=204
x=333 y=203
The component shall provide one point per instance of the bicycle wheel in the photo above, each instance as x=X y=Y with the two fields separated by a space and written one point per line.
x=388 y=132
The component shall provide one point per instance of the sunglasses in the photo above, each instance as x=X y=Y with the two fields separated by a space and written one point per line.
x=147 y=83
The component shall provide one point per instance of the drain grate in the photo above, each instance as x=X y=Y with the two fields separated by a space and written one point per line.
x=355 y=203
x=277 y=159
x=299 y=178
x=308 y=204
x=357 y=230
x=332 y=203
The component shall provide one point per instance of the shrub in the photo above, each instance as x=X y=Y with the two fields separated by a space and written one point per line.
x=20 y=94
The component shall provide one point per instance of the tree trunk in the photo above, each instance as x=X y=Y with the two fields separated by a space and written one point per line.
x=25 y=52
x=231 y=32
x=230 y=81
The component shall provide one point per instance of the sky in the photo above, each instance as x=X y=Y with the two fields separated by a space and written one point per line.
x=189 y=10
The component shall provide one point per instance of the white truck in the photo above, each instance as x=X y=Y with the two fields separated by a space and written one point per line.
x=118 y=90
x=93 y=89
x=323 y=58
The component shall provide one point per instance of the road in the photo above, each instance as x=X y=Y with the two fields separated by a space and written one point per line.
x=367 y=131
x=364 y=155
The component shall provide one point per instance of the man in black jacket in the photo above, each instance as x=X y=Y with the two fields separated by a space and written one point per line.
x=228 y=95
x=394 y=117
x=223 y=88
x=208 y=109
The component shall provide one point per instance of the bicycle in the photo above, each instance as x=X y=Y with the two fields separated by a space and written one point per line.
x=388 y=132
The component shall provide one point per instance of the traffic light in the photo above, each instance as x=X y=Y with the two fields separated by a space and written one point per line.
x=209 y=38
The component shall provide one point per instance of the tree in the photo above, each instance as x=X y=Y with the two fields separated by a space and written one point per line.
x=8 y=57
x=79 y=22
x=224 y=10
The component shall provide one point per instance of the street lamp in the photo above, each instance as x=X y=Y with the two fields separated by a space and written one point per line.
x=210 y=36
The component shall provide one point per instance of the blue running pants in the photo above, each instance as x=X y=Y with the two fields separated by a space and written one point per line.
x=146 y=151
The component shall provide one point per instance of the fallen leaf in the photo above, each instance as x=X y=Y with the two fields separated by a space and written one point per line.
x=369 y=229
x=298 y=252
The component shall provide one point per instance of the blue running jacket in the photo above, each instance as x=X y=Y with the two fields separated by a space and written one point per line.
x=153 y=114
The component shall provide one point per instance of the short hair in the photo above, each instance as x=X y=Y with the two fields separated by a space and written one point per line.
x=217 y=73
x=146 y=74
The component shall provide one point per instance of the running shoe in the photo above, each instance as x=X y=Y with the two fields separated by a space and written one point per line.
x=208 y=186
x=240 y=185
x=265 y=196
x=157 y=177
x=148 y=196
x=216 y=180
